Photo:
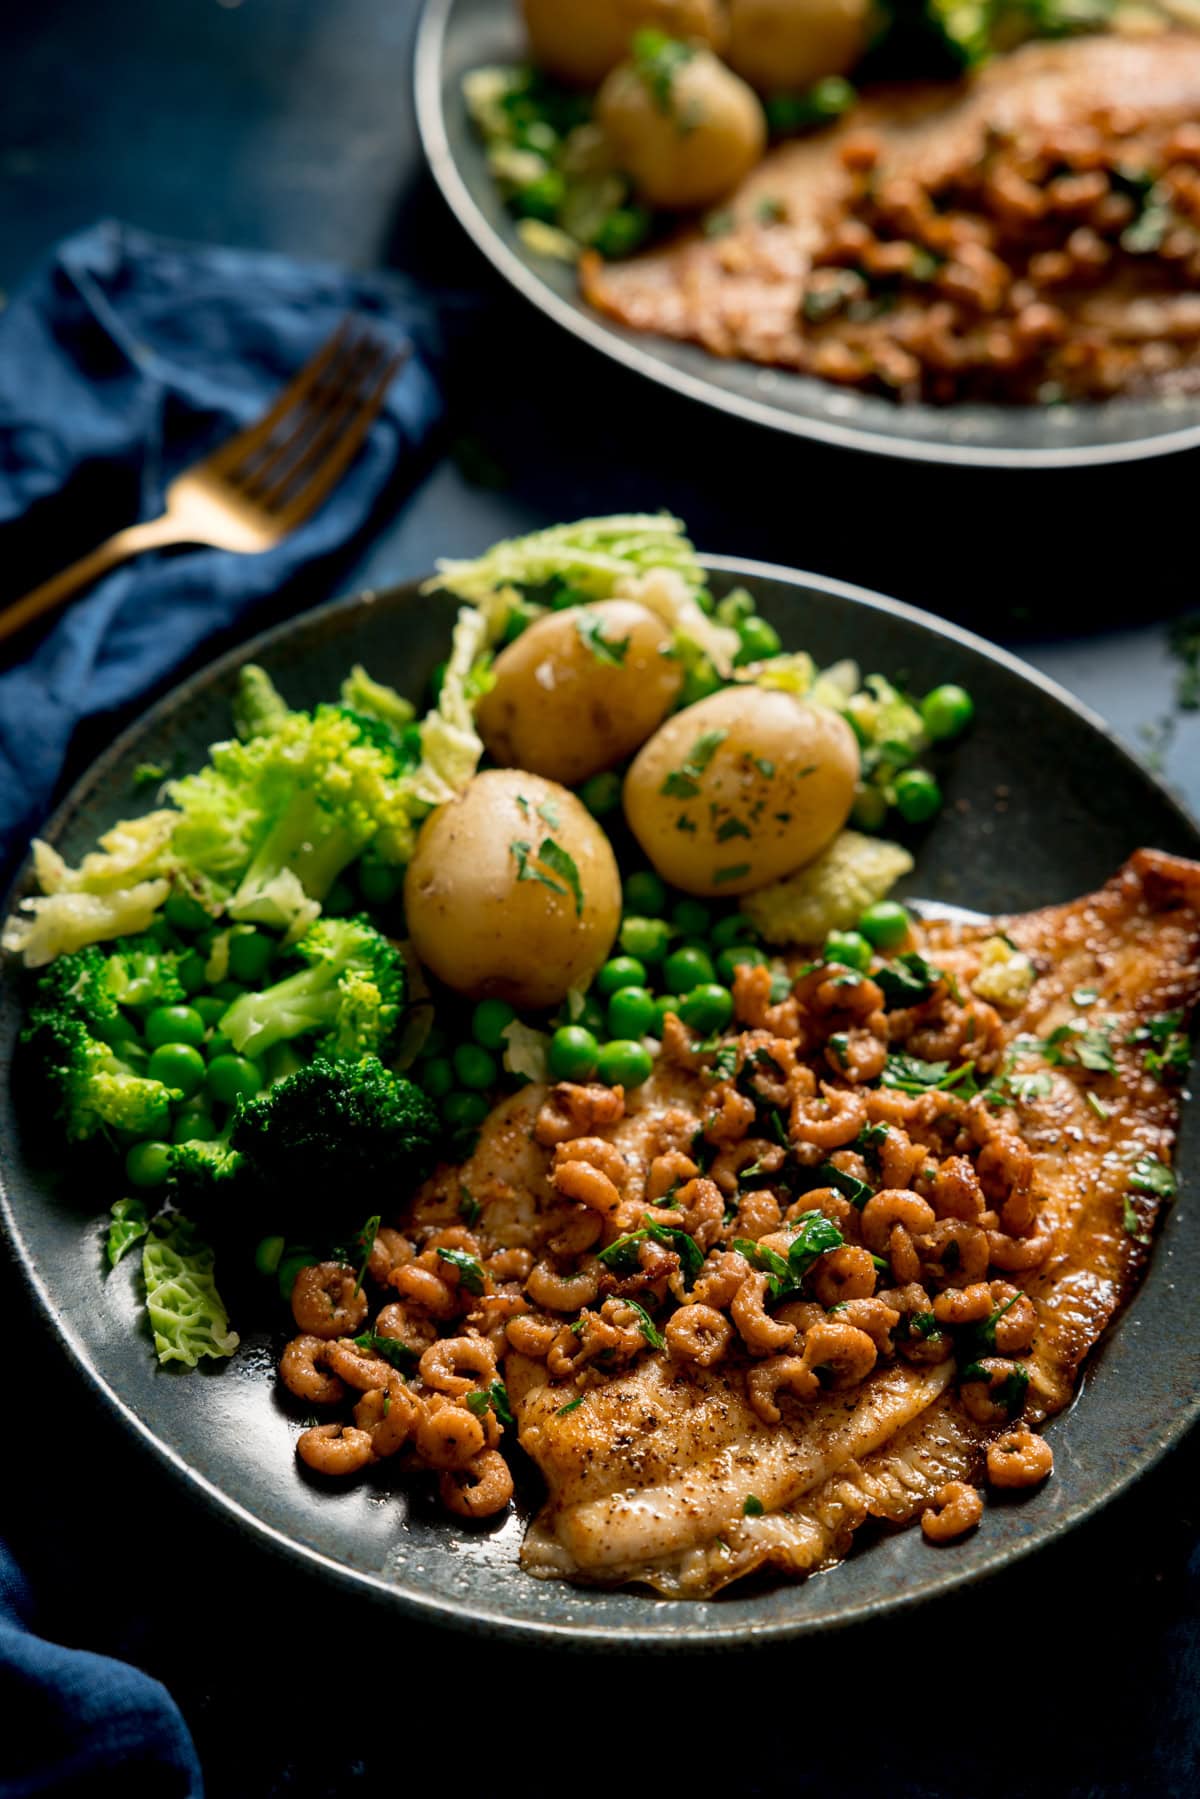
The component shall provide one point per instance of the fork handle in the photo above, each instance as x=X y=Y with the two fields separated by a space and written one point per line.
x=152 y=535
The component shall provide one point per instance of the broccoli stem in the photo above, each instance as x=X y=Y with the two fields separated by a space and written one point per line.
x=310 y=841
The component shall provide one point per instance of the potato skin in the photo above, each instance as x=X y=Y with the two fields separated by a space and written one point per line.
x=563 y=711
x=760 y=781
x=785 y=45
x=581 y=40
x=477 y=925
x=694 y=148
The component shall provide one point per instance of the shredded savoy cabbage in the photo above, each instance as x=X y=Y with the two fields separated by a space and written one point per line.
x=186 y=1312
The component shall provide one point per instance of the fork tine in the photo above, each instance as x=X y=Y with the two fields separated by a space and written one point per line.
x=270 y=481
x=340 y=455
x=234 y=451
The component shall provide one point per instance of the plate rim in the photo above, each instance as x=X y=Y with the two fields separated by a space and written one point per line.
x=431 y=33
x=691 y=1633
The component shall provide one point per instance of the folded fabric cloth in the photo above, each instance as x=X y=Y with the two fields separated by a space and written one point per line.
x=121 y=361
x=80 y=1723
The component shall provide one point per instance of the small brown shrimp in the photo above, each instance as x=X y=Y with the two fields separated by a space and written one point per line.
x=831 y=1121
x=975 y=1027
x=698 y=1333
x=890 y=1207
x=859 y=1055
x=954 y=1253
x=1017 y=1255
x=588 y=1185
x=531 y=1336
x=829 y=1202
x=1016 y=1327
x=301 y=1372
x=787 y=1372
x=964 y=1305
x=456 y=1365
x=448 y=1436
x=391 y=1249
x=402 y=1324
x=842 y=1274
x=978 y=1396
x=762 y=1334
x=478 y=1490
x=1019 y=1459
x=335 y=1449
x=834 y=996
x=672 y=1169
x=899 y=1158
x=573 y=1349
x=573 y=1111
x=509 y=1264
x=327 y=1300
x=955 y=1509
x=563 y=1292
x=580 y=1229
x=452 y=1236
x=758 y=1214
x=703 y=1211
x=356 y=1366
x=845 y=1354
x=752 y=1002
x=730 y=1160
x=720 y=1279
x=426 y=1289
x=770 y=1068
x=388 y=1415
x=955 y=1191
x=874 y=1318
x=730 y=1116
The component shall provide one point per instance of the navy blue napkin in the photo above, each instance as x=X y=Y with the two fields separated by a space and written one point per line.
x=122 y=360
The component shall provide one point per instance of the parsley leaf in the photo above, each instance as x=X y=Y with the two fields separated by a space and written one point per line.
x=392 y=1349
x=737 y=873
x=1153 y=1177
x=498 y=1394
x=366 y=1242
x=684 y=782
x=572 y=1405
x=469 y=1207
x=753 y=1507
x=908 y=980
x=554 y=857
x=611 y=653
x=908 y=1074
x=856 y=1191
x=645 y=1323
x=470 y=1268
x=557 y=859
x=479 y=1403
x=1135 y=1226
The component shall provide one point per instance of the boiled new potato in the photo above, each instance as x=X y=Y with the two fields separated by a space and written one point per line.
x=786 y=45
x=741 y=788
x=580 y=690
x=513 y=891
x=684 y=132
x=581 y=40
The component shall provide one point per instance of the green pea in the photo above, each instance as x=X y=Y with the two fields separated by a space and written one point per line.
x=289 y=1267
x=623 y=1063
x=591 y=1015
x=183 y=913
x=437 y=1076
x=475 y=1068
x=148 y=1164
x=760 y=640
x=645 y=939
x=735 y=927
x=339 y=900
x=692 y=917
x=884 y=925
x=437 y=1040
x=646 y=893
x=947 y=711
x=489 y=1021
x=686 y=967
x=541 y=197
x=379 y=882
x=631 y=1012
x=698 y=682
x=850 y=948
x=250 y=955
x=118 y=1029
x=621 y=230
x=572 y=1054
x=231 y=1078
x=177 y=1065
x=737 y=956
x=229 y=991
x=601 y=794
x=210 y=1008
x=707 y=1008
x=869 y=809
x=174 y=1024
x=464 y=1111
x=918 y=796
x=622 y=971
x=191 y=973
x=193 y=1124
x=669 y=1002
x=219 y=1045
x=269 y=1254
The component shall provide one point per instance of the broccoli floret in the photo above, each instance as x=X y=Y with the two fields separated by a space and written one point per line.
x=316 y=1142
x=140 y=972
x=351 y=991
x=258 y=706
x=207 y=1179
x=77 y=985
x=93 y=1089
x=372 y=699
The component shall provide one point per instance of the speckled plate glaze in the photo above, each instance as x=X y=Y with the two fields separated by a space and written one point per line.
x=456 y=36
x=1043 y=804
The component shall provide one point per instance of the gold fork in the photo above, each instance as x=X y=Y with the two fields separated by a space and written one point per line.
x=256 y=488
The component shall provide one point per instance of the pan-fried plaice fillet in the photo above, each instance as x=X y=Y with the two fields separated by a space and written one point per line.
x=649 y=1474
x=742 y=293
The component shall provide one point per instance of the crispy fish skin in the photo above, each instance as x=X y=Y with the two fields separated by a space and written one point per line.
x=649 y=1476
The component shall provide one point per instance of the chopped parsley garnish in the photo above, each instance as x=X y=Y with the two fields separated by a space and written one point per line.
x=839 y=1047
x=1097 y=1104
x=658 y=59
x=856 y=1191
x=548 y=815
x=908 y=1074
x=621 y=1255
x=469 y=1207
x=869 y=1141
x=479 y=1403
x=908 y=980
x=724 y=1064
x=1011 y=1391
x=470 y=1268
x=572 y=1405
x=922 y=1324
x=557 y=860
x=753 y=1507
x=365 y=1241
x=1084 y=996
x=814 y=1235
x=607 y=651
x=683 y=783
x=1075 y=1046
x=1153 y=1177
x=400 y=1354
x=645 y=1323
x=737 y=873
x=498 y=1394
x=732 y=827
x=1170 y=1051
x=766 y=769
x=1019 y=1089
x=979 y=1339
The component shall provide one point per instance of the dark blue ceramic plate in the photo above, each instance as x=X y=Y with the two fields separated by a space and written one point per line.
x=1042 y=804
x=457 y=36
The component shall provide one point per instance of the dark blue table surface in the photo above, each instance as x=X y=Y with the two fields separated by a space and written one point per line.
x=287 y=124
